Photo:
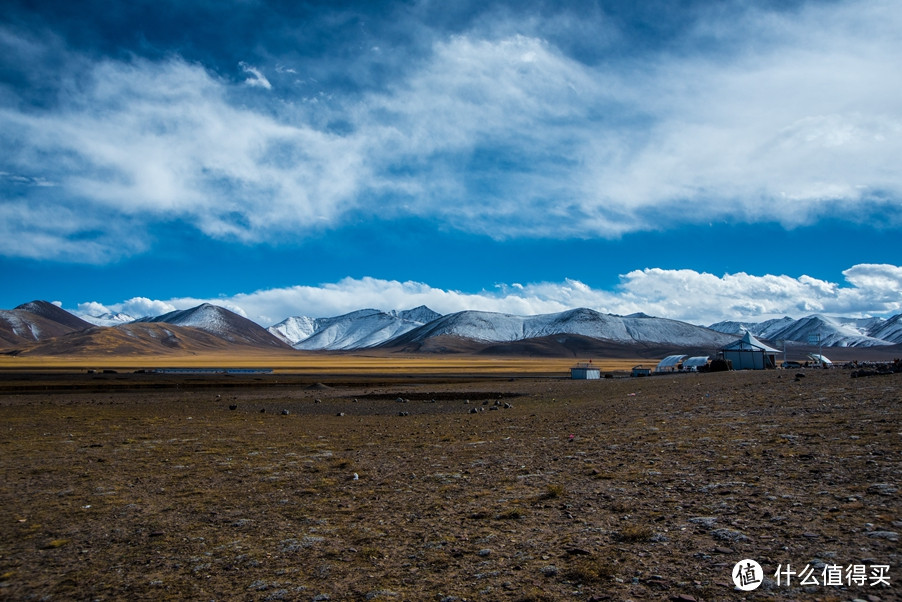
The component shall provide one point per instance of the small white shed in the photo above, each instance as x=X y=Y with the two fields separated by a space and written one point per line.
x=585 y=371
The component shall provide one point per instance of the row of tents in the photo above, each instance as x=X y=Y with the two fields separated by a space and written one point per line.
x=747 y=353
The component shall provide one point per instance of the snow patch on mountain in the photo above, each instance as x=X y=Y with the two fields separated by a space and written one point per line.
x=293 y=330
x=888 y=330
x=107 y=319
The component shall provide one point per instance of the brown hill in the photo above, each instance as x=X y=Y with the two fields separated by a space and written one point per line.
x=36 y=321
x=56 y=314
x=560 y=345
x=222 y=323
x=135 y=339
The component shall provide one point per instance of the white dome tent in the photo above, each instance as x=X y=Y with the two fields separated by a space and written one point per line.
x=671 y=363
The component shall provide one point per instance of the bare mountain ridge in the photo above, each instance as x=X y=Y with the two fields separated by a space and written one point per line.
x=203 y=328
x=220 y=322
x=134 y=339
x=36 y=321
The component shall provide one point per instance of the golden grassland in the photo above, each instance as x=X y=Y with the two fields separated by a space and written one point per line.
x=310 y=363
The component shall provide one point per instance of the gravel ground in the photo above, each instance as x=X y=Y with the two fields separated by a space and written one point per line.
x=467 y=489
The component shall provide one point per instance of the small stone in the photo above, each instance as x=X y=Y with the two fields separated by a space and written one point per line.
x=882 y=489
x=484 y=552
x=728 y=535
x=890 y=535
x=550 y=570
x=233 y=407
x=340 y=414
x=285 y=412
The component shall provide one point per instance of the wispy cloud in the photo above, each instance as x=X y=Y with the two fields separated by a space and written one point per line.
x=687 y=295
x=749 y=116
x=255 y=79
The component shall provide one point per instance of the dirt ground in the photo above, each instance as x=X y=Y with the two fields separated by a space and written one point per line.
x=452 y=488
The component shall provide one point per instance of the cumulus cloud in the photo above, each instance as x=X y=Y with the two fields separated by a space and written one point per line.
x=750 y=115
x=687 y=295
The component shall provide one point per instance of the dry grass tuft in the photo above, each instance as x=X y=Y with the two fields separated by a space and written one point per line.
x=636 y=533
x=590 y=569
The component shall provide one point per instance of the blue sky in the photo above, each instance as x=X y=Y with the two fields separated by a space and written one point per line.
x=693 y=160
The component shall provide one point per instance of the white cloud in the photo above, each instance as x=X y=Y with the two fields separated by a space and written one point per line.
x=686 y=295
x=256 y=79
x=784 y=117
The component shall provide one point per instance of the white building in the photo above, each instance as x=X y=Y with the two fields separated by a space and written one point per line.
x=748 y=353
x=585 y=371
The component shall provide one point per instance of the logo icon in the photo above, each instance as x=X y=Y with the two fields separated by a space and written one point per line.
x=747 y=575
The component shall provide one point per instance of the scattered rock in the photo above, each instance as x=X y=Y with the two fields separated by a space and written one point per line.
x=728 y=535
x=882 y=489
x=285 y=412
x=233 y=407
x=890 y=535
x=340 y=414
x=382 y=593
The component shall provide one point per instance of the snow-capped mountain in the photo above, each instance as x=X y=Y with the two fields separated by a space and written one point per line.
x=833 y=332
x=421 y=314
x=108 y=319
x=888 y=330
x=293 y=330
x=37 y=321
x=220 y=322
x=355 y=330
x=498 y=327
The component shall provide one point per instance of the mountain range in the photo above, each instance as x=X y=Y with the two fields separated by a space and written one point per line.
x=832 y=332
x=40 y=327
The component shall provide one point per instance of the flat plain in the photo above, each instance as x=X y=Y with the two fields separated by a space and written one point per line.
x=463 y=481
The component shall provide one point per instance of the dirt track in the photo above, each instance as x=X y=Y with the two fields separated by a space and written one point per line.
x=617 y=489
